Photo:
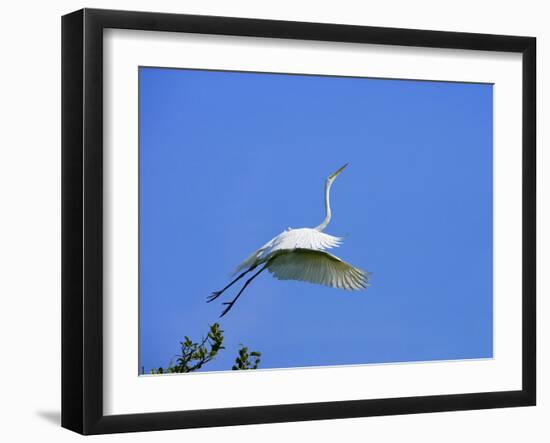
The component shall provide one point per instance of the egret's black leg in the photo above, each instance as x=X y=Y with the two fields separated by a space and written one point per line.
x=216 y=294
x=232 y=302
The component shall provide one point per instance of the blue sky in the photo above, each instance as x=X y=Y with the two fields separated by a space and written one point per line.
x=228 y=160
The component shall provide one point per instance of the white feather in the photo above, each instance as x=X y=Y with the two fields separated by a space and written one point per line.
x=315 y=266
x=305 y=238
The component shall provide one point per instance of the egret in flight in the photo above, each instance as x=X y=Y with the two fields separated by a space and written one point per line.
x=300 y=254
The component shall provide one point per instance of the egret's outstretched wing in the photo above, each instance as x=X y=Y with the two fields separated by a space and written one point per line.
x=317 y=267
x=306 y=238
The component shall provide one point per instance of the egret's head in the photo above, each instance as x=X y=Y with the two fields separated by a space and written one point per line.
x=333 y=176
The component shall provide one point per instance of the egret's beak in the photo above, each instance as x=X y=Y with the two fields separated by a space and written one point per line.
x=333 y=176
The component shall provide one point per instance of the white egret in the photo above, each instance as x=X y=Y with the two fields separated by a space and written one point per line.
x=299 y=254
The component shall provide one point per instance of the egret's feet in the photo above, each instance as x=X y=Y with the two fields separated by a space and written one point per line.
x=229 y=306
x=213 y=296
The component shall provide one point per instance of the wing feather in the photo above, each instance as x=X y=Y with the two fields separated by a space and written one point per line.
x=317 y=267
x=306 y=238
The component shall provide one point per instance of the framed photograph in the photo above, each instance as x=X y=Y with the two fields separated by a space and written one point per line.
x=269 y=221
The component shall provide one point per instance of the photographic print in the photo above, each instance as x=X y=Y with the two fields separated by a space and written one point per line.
x=300 y=220
x=274 y=221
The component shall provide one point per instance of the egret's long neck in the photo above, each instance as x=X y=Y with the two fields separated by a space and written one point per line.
x=326 y=221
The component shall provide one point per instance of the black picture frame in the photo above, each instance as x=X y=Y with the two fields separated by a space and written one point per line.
x=82 y=220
